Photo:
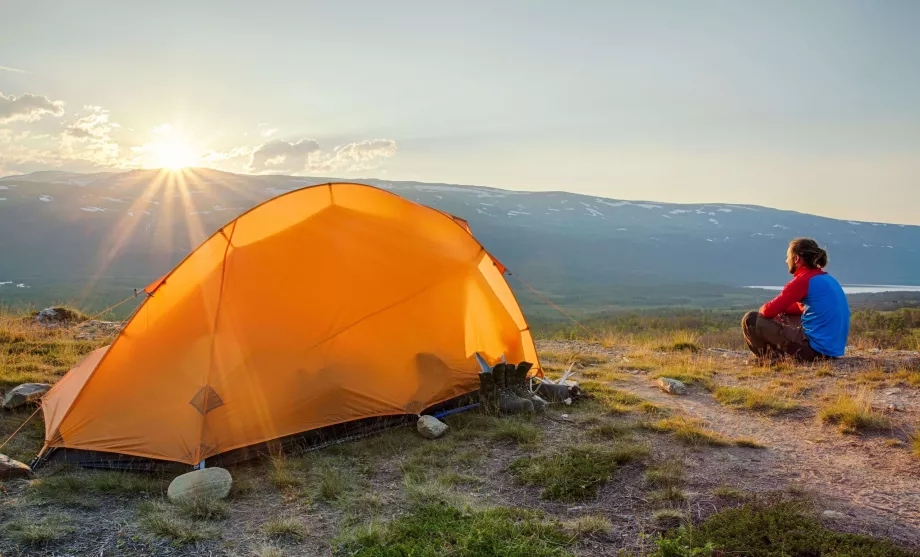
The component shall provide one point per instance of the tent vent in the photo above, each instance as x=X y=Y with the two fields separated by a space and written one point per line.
x=206 y=397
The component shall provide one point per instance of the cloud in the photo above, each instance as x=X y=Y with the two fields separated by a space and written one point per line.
x=9 y=69
x=362 y=155
x=164 y=128
x=306 y=155
x=278 y=155
x=269 y=132
x=28 y=107
x=95 y=125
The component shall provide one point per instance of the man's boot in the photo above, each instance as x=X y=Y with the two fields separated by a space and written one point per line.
x=520 y=387
x=488 y=393
x=508 y=402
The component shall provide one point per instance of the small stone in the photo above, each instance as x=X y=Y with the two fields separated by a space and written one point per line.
x=24 y=394
x=671 y=386
x=874 y=350
x=834 y=515
x=430 y=427
x=896 y=407
x=208 y=483
x=12 y=469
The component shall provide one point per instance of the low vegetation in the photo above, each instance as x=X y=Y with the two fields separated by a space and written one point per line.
x=286 y=529
x=447 y=530
x=38 y=532
x=575 y=472
x=159 y=518
x=757 y=400
x=852 y=412
x=396 y=494
x=769 y=529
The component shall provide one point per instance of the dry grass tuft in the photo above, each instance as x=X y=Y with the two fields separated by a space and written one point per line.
x=38 y=532
x=690 y=431
x=588 y=525
x=754 y=399
x=853 y=412
x=287 y=528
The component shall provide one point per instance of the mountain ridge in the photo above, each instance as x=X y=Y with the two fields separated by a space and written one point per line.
x=97 y=230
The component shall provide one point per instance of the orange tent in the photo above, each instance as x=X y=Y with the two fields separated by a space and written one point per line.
x=325 y=305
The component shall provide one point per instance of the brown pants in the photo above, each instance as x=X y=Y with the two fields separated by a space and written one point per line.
x=777 y=337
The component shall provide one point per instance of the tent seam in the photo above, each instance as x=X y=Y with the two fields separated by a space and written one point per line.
x=207 y=382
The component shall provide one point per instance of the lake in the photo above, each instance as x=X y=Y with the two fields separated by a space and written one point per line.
x=860 y=288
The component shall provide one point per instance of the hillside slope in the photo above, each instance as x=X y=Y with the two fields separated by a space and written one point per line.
x=81 y=234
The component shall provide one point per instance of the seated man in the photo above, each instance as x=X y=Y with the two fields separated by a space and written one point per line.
x=810 y=319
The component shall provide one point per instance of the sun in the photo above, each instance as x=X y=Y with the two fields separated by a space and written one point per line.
x=173 y=154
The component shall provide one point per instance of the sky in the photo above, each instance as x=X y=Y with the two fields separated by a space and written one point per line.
x=805 y=105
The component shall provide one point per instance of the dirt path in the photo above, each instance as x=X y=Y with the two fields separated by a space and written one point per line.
x=876 y=486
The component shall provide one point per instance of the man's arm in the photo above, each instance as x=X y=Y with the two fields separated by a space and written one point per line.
x=788 y=300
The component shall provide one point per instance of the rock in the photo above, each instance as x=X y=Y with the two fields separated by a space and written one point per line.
x=24 y=394
x=57 y=316
x=834 y=515
x=896 y=407
x=430 y=427
x=209 y=483
x=874 y=350
x=12 y=469
x=671 y=386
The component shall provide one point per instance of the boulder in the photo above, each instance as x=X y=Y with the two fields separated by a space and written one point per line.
x=671 y=386
x=12 y=469
x=430 y=427
x=209 y=483
x=24 y=394
x=57 y=316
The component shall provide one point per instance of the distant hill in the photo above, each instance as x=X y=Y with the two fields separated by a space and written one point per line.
x=94 y=237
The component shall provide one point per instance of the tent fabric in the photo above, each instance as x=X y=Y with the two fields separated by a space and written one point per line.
x=324 y=305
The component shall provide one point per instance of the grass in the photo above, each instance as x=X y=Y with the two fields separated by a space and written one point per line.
x=667 y=473
x=161 y=519
x=38 y=532
x=689 y=431
x=915 y=443
x=770 y=529
x=575 y=472
x=517 y=431
x=852 y=412
x=668 y=517
x=728 y=492
x=285 y=473
x=203 y=508
x=614 y=401
x=78 y=489
x=609 y=431
x=692 y=371
x=754 y=399
x=288 y=529
x=440 y=530
x=268 y=550
x=332 y=483
x=588 y=525
x=667 y=477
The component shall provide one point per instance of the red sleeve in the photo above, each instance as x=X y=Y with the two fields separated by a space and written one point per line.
x=795 y=309
x=791 y=295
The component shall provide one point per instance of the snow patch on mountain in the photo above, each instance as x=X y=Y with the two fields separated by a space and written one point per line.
x=92 y=209
x=45 y=198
